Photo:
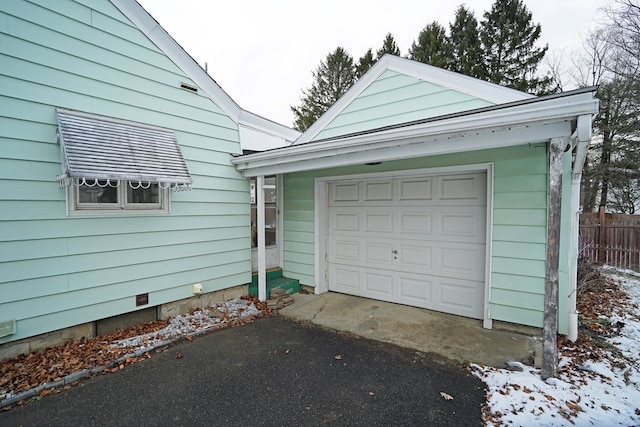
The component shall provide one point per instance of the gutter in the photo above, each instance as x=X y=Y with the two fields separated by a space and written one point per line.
x=583 y=135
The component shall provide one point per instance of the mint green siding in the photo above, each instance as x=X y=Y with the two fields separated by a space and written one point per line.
x=395 y=98
x=518 y=244
x=298 y=235
x=519 y=238
x=58 y=270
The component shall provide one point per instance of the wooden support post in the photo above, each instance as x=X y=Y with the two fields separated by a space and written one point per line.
x=262 y=270
x=550 y=326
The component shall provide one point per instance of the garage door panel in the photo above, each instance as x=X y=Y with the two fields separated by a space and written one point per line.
x=465 y=187
x=379 y=284
x=446 y=259
x=378 y=252
x=434 y=293
x=413 y=256
x=416 y=240
x=460 y=297
x=345 y=221
x=345 y=192
x=378 y=191
x=378 y=222
x=415 y=290
x=458 y=224
x=459 y=187
x=346 y=279
x=413 y=189
x=344 y=251
x=462 y=225
x=462 y=261
x=413 y=223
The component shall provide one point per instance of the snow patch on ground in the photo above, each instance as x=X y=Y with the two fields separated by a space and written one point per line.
x=197 y=321
x=602 y=391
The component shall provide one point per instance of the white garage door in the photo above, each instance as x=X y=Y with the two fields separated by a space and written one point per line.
x=415 y=240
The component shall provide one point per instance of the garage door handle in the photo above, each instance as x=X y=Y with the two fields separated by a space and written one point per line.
x=394 y=252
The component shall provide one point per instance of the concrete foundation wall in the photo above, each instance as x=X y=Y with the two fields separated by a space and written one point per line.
x=110 y=324
x=50 y=339
x=183 y=306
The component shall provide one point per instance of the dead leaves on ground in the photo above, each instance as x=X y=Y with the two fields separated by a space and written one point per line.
x=596 y=307
x=51 y=365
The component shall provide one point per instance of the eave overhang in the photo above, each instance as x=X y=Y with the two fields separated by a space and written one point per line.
x=528 y=121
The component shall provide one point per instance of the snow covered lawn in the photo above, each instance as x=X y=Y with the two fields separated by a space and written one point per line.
x=599 y=380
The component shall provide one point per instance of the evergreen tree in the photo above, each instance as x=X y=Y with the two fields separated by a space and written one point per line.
x=367 y=60
x=508 y=37
x=364 y=63
x=466 y=45
x=333 y=77
x=389 y=45
x=433 y=47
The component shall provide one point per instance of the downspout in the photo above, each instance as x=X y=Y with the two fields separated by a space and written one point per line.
x=583 y=139
x=572 y=332
x=262 y=264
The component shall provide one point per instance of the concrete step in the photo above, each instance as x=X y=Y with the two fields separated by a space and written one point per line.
x=289 y=286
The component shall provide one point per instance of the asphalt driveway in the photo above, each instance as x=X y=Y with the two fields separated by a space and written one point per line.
x=273 y=372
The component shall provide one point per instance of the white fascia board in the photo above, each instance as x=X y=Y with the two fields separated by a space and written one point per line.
x=554 y=110
x=491 y=92
x=150 y=27
x=255 y=121
x=487 y=91
x=412 y=148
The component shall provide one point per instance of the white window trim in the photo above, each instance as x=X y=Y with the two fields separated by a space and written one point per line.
x=122 y=208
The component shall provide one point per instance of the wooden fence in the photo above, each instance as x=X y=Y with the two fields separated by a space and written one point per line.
x=610 y=239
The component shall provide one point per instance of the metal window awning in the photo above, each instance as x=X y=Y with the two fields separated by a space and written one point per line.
x=103 y=148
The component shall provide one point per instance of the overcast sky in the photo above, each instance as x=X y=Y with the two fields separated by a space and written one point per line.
x=262 y=52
